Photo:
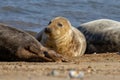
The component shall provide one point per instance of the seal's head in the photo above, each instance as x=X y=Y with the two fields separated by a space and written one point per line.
x=57 y=27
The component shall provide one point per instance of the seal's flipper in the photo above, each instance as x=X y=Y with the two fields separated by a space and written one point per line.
x=27 y=55
x=55 y=57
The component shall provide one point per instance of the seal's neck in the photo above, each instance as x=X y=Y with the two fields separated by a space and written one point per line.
x=65 y=38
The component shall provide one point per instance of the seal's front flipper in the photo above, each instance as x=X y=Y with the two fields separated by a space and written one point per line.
x=40 y=53
x=55 y=56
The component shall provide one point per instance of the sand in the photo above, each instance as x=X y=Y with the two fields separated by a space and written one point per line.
x=104 y=66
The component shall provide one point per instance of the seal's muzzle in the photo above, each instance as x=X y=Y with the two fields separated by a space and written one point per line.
x=47 y=30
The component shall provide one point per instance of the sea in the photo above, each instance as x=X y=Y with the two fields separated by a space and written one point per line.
x=34 y=15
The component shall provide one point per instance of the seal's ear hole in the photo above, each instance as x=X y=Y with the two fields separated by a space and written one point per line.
x=59 y=24
x=49 y=23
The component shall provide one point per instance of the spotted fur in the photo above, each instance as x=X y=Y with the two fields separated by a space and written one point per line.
x=102 y=35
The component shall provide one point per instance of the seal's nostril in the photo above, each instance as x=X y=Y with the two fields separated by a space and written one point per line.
x=47 y=30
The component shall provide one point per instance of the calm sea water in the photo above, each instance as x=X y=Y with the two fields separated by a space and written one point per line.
x=35 y=14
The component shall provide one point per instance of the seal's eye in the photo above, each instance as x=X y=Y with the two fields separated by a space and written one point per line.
x=49 y=23
x=59 y=24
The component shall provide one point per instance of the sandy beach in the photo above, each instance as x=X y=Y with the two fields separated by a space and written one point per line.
x=104 y=66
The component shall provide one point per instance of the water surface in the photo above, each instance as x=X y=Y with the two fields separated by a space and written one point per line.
x=35 y=14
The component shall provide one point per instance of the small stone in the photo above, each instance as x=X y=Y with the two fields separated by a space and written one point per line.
x=94 y=53
x=55 y=73
x=76 y=74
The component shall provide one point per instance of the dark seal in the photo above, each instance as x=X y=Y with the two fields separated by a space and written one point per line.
x=17 y=45
x=102 y=35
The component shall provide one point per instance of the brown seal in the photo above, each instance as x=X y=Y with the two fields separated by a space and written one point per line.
x=18 y=45
x=102 y=35
x=62 y=37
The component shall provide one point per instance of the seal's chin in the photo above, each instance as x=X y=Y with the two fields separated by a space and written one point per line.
x=52 y=36
x=48 y=35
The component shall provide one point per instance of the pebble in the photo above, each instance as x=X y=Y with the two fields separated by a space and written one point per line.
x=76 y=74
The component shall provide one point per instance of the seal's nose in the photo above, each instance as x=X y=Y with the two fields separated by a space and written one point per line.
x=47 y=30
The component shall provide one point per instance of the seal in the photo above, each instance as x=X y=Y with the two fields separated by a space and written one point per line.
x=102 y=35
x=17 y=45
x=62 y=37
x=31 y=33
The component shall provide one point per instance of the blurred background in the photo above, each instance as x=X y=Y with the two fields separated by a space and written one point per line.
x=34 y=15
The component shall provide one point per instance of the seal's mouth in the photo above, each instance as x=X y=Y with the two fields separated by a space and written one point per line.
x=47 y=30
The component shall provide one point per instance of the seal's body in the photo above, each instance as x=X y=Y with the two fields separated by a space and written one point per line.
x=102 y=35
x=62 y=37
x=18 y=45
